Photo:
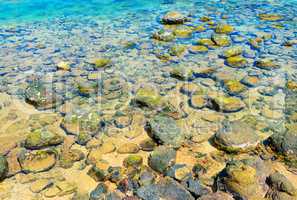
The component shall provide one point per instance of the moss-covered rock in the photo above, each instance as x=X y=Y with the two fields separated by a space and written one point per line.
x=224 y=28
x=41 y=138
x=100 y=62
x=198 y=49
x=133 y=161
x=183 y=31
x=270 y=17
x=234 y=87
x=236 y=61
x=221 y=40
x=232 y=51
x=177 y=50
x=149 y=96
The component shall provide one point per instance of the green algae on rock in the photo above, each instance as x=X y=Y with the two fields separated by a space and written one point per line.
x=232 y=51
x=99 y=63
x=224 y=29
x=149 y=96
x=162 y=35
x=133 y=161
x=41 y=138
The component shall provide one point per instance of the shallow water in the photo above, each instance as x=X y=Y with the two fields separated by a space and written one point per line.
x=50 y=46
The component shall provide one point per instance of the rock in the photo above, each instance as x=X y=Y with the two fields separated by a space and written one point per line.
x=166 y=188
x=164 y=130
x=183 y=32
x=116 y=174
x=3 y=167
x=66 y=188
x=99 y=171
x=195 y=187
x=177 y=50
x=37 y=161
x=162 y=158
x=147 y=145
x=41 y=138
x=191 y=89
x=232 y=138
x=270 y=17
x=65 y=66
x=77 y=122
x=99 y=63
x=162 y=35
x=40 y=185
x=146 y=178
x=122 y=120
x=40 y=97
x=133 y=161
x=128 y=185
x=284 y=143
x=52 y=192
x=128 y=148
x=280 y=187
x=232 y=51
x=266 y=63
x=198 y=101
x=225 y=104
x=221 y=40
x=234 y=87
x=178 y=172
x=96 y=153
x=99 y=192
x=206 y=42
x=236 y=61
x=224 y=29
x=181 y=73
x=86 y=88
x=173 y=17
x=70 y=156
x=241 y=181
x=13 y=163
x=198 y=49
x=251 y=81
x=217 y=196
x=149 y=97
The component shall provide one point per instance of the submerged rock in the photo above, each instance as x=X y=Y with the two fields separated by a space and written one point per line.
x=232 y=51
x=164 y=130
x=37 y=161
x=3 y=167
x=236 y=136
x=166 y=188
x=41 y=138
x=240 y=179
x=217 y=196
x=99 y=192
x=162 y=158
x=162 y=35
x=100 y=62
x=173 y=17
x=280 y=187
x=236 y=61
x=221 y=40
x=225 y=104
x=41 y=97
x=224 y=28
x=149 y=97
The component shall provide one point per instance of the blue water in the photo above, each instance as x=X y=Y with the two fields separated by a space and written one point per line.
x=36 y=10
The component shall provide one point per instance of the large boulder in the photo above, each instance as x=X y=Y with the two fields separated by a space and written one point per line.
x=166 y=189
x=164 y=130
